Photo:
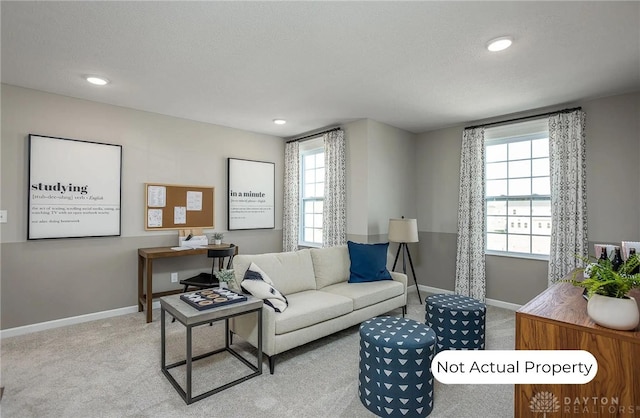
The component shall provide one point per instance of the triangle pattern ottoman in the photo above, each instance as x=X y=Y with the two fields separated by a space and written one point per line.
x=458 y=321
x=395 y=377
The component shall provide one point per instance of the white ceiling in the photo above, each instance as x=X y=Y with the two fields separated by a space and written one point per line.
x=418 y=66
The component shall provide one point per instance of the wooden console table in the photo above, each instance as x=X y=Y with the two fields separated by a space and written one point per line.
x=557 y=320
x=145 y=262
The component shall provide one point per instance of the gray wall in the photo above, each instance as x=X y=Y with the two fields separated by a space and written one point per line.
x=51 y=279
x=613 y=186
x=380 y=178
x=356 y=134
x=391 y=176
x=390 y=172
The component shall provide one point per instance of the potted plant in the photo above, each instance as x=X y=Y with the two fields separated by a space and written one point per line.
x=607 y=291
x=226 y=277
x=217 y=237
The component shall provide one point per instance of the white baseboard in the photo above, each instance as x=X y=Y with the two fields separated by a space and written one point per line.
x=28 y=329
x=492 y=302
x=503 y=304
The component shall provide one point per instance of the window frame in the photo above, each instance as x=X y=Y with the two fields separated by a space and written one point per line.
x=532 y=135
x=312 y=147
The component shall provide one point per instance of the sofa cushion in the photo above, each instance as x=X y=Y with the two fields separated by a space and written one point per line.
x=290 y=272
x=331 y=265
x=368 y=262
x=367 y=294
x=257 y=283
x=311 y=307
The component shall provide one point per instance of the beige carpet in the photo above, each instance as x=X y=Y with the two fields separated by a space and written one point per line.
x=111 y=368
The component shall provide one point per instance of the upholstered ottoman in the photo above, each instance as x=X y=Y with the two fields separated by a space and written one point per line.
x=395 y=377
x=457 y=320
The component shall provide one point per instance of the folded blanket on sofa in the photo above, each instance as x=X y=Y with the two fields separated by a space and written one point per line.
x=257 y=283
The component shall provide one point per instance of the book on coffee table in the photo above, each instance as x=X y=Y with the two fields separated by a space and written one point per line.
x=212 y=298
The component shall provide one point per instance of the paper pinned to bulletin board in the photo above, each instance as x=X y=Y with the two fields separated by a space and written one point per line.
x=172 y=206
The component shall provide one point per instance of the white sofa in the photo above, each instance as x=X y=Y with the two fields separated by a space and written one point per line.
x=321 y=301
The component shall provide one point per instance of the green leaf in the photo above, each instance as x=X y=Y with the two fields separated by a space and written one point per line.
x=603 y=280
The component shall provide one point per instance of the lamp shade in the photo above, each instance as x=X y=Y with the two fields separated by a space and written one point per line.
x=403 y=230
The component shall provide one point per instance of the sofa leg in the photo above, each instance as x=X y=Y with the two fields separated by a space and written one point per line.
x=404 y=310
x=272 y=363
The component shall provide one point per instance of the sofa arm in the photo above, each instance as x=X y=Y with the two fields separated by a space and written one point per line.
x=245 y=327
x=400 y=277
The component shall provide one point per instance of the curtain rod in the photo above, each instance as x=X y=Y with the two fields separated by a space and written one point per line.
x=524 y=118
x=302 y=138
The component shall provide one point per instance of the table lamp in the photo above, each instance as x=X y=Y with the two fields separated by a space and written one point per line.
x=404 y=231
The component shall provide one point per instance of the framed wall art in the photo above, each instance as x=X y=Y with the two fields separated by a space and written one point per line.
x=74 y=188
x=251 y=189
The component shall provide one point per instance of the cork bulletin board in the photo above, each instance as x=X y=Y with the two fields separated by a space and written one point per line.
x=172 y=206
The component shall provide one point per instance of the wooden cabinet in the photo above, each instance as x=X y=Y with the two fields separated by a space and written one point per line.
x=557 y=320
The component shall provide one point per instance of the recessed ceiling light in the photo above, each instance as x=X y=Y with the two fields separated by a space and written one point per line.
x=499 y=44
x=279 y=121
x=98 y=81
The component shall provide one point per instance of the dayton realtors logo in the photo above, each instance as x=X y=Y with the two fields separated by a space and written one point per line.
x=544 y=402
x=547 y=402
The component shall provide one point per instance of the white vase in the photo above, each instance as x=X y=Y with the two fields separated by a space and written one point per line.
x=217 y=241
x=616 y=313
x=223 y=285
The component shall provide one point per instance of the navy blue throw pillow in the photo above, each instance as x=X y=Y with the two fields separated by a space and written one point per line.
x=368 y=262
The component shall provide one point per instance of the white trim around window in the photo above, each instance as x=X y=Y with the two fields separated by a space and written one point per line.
x=311 y=193
x=517 y=190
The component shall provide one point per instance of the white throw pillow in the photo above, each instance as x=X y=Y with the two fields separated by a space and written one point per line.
x=257 y=283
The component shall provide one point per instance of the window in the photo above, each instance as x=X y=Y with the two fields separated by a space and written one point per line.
x=517 y=189
x=311 y=192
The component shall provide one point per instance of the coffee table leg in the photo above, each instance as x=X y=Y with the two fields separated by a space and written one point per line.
x=189 y=359
x=163 y=340
x=260 y=340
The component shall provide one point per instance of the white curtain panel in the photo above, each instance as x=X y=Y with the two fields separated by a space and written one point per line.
x=568 y=168
x=291 y=216
x=470 y=261
x=334 y=215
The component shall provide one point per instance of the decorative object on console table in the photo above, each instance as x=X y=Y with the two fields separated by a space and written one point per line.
x=614 y=313
x=604 y=250
x=217 y=237
x=404 y=231
x=617 y=259
x=632 y=253
x=603 y=254
x=192 y=238
x=627 y=246
x=609 y=304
